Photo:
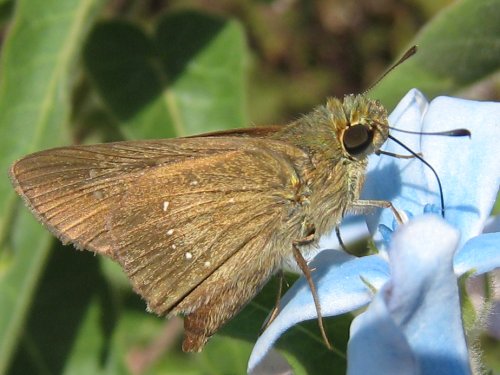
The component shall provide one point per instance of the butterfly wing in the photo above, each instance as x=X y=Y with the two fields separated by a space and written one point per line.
x=72 y=190
x=197 y=225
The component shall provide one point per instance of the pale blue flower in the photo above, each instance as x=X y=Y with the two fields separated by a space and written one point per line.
x=413 y=324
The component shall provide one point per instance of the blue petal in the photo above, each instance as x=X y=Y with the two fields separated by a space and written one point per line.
x=468 y=168
x=481 y=254
x=386 y=233
x=340 y=289
x=377 y=344
x=422 y=301
x=385 y=175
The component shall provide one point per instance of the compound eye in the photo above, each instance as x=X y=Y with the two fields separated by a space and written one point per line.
x=357 y=139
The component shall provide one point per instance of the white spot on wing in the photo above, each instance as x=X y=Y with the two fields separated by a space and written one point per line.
x=193 y=183
x=188 y=255
x=170 y=232
x=231 y=200
x=206 y=264
x=165 y=205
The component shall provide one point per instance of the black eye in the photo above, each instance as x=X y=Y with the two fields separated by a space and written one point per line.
x=357 y=139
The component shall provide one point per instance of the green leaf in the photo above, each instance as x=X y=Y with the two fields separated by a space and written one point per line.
x=37 y=57
x=60 y=312
x=77 y=324
x=457 y=48
x=187 y=78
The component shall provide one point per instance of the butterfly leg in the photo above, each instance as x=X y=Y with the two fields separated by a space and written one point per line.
x=341 y=243
x=364 y=204
x=301 y=262
x=276 y=308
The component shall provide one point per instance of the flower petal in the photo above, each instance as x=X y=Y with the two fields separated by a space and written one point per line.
x=340 y=289
x=480 y=254
x=423 y=302
x=377 y=344
x=385 y=175
x=467 y=168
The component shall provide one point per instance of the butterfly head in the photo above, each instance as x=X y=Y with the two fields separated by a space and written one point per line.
x=365 y=126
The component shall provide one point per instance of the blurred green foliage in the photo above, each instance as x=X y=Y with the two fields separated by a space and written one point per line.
x=81 y=71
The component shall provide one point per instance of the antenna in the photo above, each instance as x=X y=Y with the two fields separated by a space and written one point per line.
x=409 y=53
x=449 y=133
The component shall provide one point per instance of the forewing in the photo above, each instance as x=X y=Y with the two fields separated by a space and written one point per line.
x=171 y=211
x=178 y=224
x=72 y=190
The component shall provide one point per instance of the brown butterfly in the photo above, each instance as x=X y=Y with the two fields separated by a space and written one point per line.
x=199 y=224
